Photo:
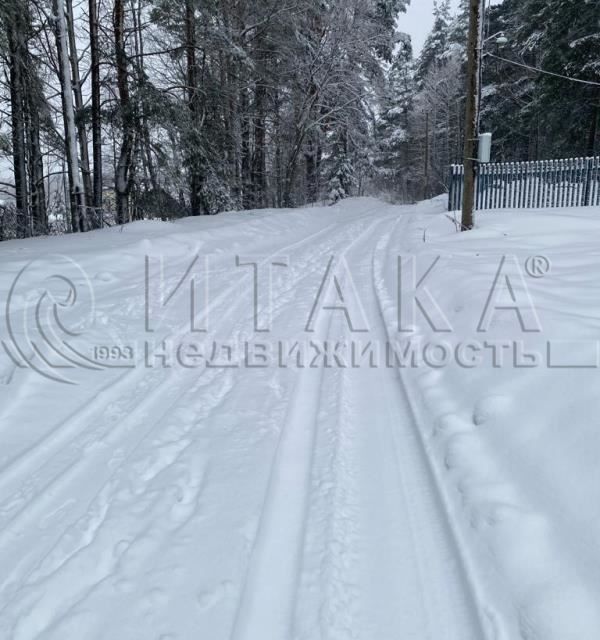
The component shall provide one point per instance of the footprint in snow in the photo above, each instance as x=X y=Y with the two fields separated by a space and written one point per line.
x=105 y=276
x=208 y=599
x=489 y=408
x=450 y=424
x=430 y=378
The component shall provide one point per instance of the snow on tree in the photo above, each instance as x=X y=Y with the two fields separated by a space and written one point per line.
x=435 y=49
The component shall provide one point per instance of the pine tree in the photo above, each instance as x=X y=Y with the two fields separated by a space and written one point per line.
x=435 y=49
x=392 y=130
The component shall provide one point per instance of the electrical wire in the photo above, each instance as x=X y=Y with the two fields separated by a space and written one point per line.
x=548 y=73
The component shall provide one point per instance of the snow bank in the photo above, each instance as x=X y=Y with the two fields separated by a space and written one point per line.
x=514 y=424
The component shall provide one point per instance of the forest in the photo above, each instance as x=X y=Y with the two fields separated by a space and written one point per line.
x=119 y=110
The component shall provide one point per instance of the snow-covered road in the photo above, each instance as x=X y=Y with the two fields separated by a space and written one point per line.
x=279 y=482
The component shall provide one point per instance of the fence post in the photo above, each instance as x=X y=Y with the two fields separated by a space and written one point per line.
x=588 y=182
x=451 y=189
x=580 y=178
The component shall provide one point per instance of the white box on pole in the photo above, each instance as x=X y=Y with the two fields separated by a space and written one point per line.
x=485 y=147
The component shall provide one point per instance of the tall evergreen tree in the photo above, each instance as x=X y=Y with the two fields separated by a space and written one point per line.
x=394 y=158
x=435 y=49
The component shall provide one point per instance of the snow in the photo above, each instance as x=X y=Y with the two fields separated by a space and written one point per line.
x=232 y=493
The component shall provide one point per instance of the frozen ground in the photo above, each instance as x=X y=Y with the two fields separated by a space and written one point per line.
x=152 y=497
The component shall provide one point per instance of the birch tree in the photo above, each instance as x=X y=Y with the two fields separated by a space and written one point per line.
x=76 y=187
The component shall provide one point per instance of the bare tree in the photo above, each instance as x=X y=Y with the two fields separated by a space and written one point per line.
x=76 y=186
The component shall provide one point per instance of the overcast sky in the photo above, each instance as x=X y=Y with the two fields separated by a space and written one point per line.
x=418 y=20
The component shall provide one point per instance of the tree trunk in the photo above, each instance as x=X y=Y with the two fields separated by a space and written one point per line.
x=259 y=169
x=304 y=121
x=196 y=178
x=76 y=188
x=593 y=134
x=310 y=159
x=426 y=160
x=123 y=170
x=16 y=53
x=39 y=217
x=79 y=108
x=290 y=176
x=96 y=114
x=246 y=165
x=143 y=126
x=278 y=161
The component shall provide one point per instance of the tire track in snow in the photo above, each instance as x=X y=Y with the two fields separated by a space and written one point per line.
x=96 y=470
x=328 y=566
x=139 y=412
x=484 y=626
x=341 y=497
x=59 y=459
x=266 y=607
x=542 y=593
x=143 y=397
x=359 y=581
x=64 y=431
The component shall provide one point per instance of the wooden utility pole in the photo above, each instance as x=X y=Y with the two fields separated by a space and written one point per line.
x=473 y=63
